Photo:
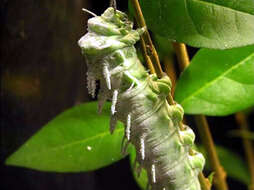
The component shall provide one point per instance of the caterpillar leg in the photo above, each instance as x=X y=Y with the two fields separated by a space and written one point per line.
x=103 y=95
x=91 y=84
x=106 y=75
x=113 y=121
x=124 y=146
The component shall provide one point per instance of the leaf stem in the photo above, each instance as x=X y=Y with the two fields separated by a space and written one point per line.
x=207 y=140
x=148 y=46
x=203 y=127
x=150 y=52
x=170 y=71
x=182 y=55
x=247 y=144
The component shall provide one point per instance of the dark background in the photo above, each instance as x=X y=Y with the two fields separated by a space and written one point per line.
x=42 y=74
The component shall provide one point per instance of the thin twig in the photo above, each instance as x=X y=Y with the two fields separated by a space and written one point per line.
x=170 y=71
x=182 y=55
x=203 y=128
x=206 y=138
x=247 y=144
x=149 y=47
x=147 y=58
x=150 y=51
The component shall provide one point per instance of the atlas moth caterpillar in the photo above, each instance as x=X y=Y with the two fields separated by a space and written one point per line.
x=139 y=101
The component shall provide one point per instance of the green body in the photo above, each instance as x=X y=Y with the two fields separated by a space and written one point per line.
x=139 y=101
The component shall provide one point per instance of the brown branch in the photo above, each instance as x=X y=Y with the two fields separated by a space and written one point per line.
x=182 y=55
x=150 y=51
x=170 y=71
x=203 y=127
x=247 y=144
x=207 y=140
x=147 y=58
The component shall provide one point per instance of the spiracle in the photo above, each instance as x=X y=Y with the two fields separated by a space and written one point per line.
x=139 y=101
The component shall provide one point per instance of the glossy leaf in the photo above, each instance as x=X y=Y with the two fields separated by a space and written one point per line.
x=76 y=140
x=216 y=24
x=218 y=82
x=232 y=163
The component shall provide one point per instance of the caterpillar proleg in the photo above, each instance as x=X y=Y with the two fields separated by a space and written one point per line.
x=139 y=101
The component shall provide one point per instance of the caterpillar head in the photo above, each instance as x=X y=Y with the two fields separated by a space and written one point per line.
x=108 y=37
x=109 y=32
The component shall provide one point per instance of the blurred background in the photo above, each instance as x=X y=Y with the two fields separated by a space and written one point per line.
x=43 y=74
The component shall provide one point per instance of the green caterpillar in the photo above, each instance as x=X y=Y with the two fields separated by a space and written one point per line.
x=139 y=101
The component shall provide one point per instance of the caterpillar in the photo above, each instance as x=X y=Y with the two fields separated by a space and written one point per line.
x=139 y=101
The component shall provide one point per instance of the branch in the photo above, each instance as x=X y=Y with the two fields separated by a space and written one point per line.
x=247 y=144
x=207 y=140
x=150 y=52
x=148 y=46
x=203 y=127
x=170 y=71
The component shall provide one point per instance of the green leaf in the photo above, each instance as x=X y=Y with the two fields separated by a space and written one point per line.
x=218 y=82
x=219 y=24
x=232 y=163
x=76 y=140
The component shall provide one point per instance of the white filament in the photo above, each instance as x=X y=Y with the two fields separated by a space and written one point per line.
x=107 y=76
x=128 y=127
x=142 y=148
x=114 y=100
x=153 y=173
x=90 y=12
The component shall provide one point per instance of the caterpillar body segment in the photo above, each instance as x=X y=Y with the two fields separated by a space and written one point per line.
x=139 y=101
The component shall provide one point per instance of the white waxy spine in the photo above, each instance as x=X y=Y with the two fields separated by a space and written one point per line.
x=153 y=173
x=128 y=127
x=142 y=148
x=107 y=76
x=114 y=101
